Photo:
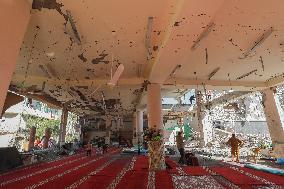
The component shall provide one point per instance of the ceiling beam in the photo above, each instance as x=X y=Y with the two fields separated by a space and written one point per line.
x=226 y=98
x=37 y=80
x=182 y=48
x=169 y=83
x=50 y=101
x=178 y=7
x=274 y=81
x=214 y=84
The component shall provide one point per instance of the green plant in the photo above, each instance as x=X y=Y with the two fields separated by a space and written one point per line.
x=41 y=124
x=153 y=134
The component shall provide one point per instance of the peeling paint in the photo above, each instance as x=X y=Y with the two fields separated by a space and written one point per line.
x=177 y=24
x=49 y=4
x=155 y=48
x=82 y=87
x=110 y=103
x=100 y=59
x=81 y=56
x=80 y=94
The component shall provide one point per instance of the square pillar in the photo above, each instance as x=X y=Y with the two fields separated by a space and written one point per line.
x=199 y=116
x=155 y=120
x=63 y=124
x=154 y=106
x=32 y=138
x=273 y=122
x=134 y=126
x=46 y=138
x=108 y=130
x=139 y=126
x=272 y=116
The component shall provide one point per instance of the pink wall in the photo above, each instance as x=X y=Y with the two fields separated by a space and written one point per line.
x=14 y=18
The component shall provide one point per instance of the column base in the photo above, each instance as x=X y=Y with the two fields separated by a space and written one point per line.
x=279 y=150
x=156 y=155
x=201 y=144
x=134 y=141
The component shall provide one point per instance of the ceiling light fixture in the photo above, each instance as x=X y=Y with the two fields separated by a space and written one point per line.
x=213 y=73
x=139 y=70
x=204 y=34
x=76 y=36
x=43 y=69
x=51 y=70
x=258 y=42
x=148 y=37
x=116 y=75
x=174 y=70
x=50 y=54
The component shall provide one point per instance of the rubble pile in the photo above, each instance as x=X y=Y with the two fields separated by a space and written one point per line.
x=232 y=117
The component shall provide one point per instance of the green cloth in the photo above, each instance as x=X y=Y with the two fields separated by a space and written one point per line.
x=187 y=131
x=171 y=128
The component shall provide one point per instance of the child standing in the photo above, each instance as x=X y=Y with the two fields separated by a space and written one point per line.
x=89 y=149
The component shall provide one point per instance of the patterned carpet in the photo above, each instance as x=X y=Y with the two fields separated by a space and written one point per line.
x=116 y=171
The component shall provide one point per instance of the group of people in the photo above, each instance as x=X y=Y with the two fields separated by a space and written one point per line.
x=102 y=147
x=39 y=143
x=233 y=142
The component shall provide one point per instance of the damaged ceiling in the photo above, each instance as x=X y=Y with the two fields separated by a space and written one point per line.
x=71 y=49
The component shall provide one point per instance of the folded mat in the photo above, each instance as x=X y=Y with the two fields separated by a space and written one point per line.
x=277 y=179
x=266 y=169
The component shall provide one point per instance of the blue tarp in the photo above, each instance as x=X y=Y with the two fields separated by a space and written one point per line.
x=266 y=169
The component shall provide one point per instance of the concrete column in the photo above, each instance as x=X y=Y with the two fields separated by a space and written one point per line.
x=47 y=137
x=14 y=18
x=155 y=120
x=154 y=104
x=207 y=123
x=139 y=125
x=199 y=116
x=134 y=126
x=117 y=124
x=63 y=124
x=32 y=138
x=108 y=130
x=272 y=116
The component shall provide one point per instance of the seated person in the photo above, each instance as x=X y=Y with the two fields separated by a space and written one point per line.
x=89 y=148
x=191 y=160
x=256 y=152
x=105 y=146
x=37 y=141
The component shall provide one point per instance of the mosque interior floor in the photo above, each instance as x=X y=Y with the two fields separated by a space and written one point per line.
x=116 y=170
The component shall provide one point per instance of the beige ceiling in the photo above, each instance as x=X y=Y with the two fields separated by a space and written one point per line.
x=115 y=31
